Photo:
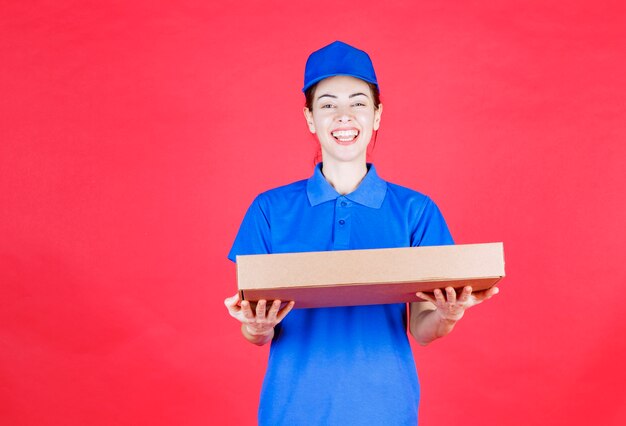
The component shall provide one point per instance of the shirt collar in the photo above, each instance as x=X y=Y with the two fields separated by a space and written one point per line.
x=370 y=192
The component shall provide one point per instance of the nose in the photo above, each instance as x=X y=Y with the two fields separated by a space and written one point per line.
x=344 y=115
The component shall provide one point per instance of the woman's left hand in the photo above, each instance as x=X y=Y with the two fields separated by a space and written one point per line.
x=450 y=307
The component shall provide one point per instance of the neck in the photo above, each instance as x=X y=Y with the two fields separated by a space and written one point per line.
x=344 y=177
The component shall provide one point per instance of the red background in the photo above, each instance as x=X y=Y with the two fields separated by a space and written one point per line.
x=133 y=136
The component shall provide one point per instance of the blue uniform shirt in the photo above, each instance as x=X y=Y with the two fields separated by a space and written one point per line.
x=344 y=365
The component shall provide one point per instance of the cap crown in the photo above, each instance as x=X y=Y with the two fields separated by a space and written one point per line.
x=338 y=58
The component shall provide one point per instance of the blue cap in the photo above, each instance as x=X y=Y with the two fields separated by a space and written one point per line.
x=338 y=58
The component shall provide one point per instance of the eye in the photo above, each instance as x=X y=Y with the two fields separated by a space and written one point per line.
x=327 y=106
x=359 y=104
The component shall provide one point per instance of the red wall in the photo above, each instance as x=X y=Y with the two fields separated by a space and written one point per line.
x=133 y=135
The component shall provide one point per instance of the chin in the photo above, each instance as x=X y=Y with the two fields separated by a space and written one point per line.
x=360 y=158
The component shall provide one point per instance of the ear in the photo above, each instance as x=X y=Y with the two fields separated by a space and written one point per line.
x=377 y=113
x=308 y=116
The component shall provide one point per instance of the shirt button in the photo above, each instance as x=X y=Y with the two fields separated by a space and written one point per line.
x=343 y=204
x=342 y=222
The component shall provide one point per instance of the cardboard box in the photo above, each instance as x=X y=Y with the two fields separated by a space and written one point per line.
x=365 y=277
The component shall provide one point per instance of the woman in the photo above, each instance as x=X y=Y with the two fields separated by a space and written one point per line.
x=344 y=365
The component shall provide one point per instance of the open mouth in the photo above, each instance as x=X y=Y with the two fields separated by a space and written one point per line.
x=345 y=136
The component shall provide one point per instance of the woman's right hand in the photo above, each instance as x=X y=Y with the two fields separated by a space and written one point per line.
x=257 y=326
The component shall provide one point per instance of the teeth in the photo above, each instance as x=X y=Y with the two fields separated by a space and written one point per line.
x=345 y=133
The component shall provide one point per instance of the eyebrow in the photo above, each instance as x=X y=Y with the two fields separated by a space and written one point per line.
x=333 y=96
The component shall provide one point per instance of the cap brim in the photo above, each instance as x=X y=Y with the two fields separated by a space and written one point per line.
x=318 y=79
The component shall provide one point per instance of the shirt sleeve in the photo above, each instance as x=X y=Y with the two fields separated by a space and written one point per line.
x=431 y=228
x=254 y=236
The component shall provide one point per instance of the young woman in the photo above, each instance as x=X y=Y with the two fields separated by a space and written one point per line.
x=344 y=365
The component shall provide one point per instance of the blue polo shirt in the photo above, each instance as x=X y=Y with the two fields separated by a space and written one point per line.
x=343 y=365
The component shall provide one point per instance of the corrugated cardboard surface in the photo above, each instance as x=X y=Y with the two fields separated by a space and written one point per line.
x=361 y=277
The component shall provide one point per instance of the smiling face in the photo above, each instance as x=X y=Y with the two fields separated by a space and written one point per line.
x=343 y=117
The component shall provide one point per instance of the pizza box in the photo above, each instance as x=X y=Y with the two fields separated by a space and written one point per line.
x=366 y=277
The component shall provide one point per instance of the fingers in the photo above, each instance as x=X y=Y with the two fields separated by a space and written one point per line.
x=231 y=301
x=447 y=296
x=283 y=312
x=232 y=305
x=276 y=314
x=439 y=297
x=441 y=300
x=271 y=316
x=465 y=295
x=247 y=311
x=260 y=309
x=451 y=307
x=425 y=296
x=493 y=291
x=257 y=318
x=265 y=319
x=488 y=294
x=451 y=295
